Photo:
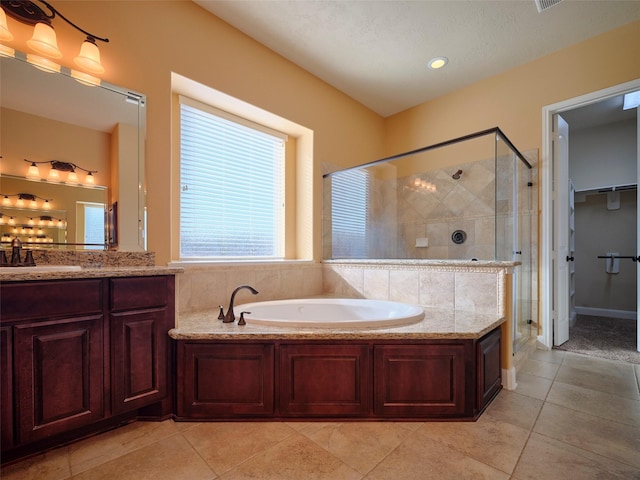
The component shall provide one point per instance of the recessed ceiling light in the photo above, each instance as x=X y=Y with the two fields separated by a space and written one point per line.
x=438 y=62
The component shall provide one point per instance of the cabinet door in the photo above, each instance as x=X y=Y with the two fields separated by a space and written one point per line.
x=58 y=375
x=139 y=345
x=218 y=380
x=327 y=380
x=142 y=313
x=6 y=388
x=419 y=380
x=489 y=376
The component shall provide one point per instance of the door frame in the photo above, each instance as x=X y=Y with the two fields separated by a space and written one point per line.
x=548 y=203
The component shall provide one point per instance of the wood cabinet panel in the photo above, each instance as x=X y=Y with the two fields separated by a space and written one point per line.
x=417 y=380
x=23 y=300
x=134 y=293
x=59 y=375
x=489 y=374
x=6 y=388
x=330 y=380
x=139 y=358
x=225 y=380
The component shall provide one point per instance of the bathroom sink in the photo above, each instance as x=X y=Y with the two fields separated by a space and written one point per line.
x=41 y=269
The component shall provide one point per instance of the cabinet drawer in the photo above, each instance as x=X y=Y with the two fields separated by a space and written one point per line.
x=52 y=299
x=132 y=293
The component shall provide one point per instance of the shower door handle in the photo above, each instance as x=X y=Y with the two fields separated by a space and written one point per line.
x=570 y=258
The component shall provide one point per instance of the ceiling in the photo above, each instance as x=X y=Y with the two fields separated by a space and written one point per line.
x=377 y=51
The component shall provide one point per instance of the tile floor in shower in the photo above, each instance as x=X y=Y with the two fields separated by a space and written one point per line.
x=571 y=417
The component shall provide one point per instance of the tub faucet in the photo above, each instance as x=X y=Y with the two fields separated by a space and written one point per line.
x=230 y=317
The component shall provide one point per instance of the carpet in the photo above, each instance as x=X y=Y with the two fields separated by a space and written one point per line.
x=612 y=338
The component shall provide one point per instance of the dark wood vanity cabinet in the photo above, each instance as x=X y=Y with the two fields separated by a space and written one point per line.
x=142 y=312
x=76 y=354
x=375 y=379
x=6 y=388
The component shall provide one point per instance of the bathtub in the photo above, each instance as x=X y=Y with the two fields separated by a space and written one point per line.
x=330 y=313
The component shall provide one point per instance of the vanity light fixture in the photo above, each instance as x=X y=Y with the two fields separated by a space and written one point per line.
x=23 y=198
x=44 y=40
x=5 y=36
x=58 y=166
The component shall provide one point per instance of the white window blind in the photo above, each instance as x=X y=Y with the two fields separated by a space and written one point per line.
x=231 y=182
x=349 y=214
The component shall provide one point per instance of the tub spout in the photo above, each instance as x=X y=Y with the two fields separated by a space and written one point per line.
x=230 y=317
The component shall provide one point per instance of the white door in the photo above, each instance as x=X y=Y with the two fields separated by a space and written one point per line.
x=561 y=257
x=638 y=233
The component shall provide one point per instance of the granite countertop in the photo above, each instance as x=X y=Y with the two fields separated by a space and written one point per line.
x=437 y=324
x=22 y=274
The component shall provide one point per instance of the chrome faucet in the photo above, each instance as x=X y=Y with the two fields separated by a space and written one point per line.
x=230 y=317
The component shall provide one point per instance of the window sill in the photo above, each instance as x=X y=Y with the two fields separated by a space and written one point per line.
x=227 y=263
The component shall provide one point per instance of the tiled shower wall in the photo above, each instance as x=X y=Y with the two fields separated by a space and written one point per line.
x=433 y=205
x=464 y=288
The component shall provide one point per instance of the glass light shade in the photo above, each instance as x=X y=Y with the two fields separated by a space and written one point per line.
x=89 y=58
x=33 y=172
x=89 y=180
x=6 y=201
x=72 y=177
x=47 y=205
x=43 y=64
x=54 y=175
x=33 y=204
x=31 y=222
x=85 y=78
x=20 y=202
x=7 y=51
x=12 y=221
x=5 y=34
x=44 y=41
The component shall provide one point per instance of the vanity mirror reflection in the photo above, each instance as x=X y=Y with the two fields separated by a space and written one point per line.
x=62 y=126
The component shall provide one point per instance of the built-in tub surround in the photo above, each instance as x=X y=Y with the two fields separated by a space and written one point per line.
x=437 y=324
x=479 y=287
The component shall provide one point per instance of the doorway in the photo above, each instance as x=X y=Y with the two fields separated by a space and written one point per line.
x=556 y=259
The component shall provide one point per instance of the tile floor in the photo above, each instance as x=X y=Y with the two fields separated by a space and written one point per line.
x=571 y=417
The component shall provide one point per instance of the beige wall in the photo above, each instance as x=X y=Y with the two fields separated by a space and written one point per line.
x=514 y=100
x=150 y=39
x=41 y=140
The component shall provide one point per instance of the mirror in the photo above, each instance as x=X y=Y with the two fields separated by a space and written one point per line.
x=53 y=120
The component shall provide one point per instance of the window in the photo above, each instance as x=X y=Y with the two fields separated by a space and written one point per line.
x=349 y=214
x=90 y=220
x=231 y=186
